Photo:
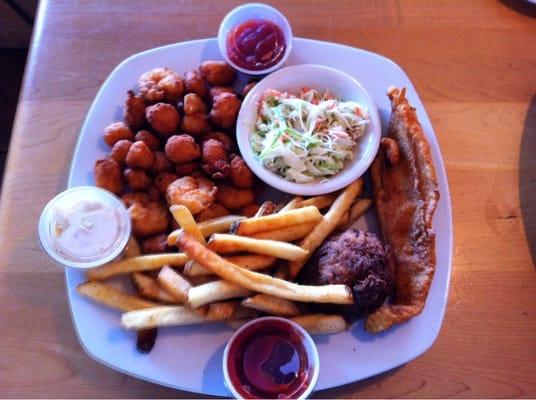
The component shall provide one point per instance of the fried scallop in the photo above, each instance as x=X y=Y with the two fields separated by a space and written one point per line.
x=217 y=73
x=149 y=219
x=240 y=174
x=163 y=118
x=116 y=132
x=214 y=159
x=234 y=198
x=108 y=175
x=182 y=149
x=225 y=109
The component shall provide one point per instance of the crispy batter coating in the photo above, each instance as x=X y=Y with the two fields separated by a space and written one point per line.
x=217 y=73
x=195 y=124
x=214 y=211
x=139 y=156
x=186 y=168
x=134 y=112
x=153 y=192
x=120 y=150
x=224 y=110
x=155 y=244
x=163 y=179
x=152 y=142
x=195 y=193
x=195 y=83
x=193 y=104
x=138 y=197
x=240 y=174
x=246 y=89
x=214 y=158
x=223 y=138
x=182 y=149
x=108 y=175
x=250 y=210
x=160 y=84
x=116 y=132
x=163 y=118
x=216 y=90
x=149 y=219
x=136 y=179
x=234 y=198
x=160 y=163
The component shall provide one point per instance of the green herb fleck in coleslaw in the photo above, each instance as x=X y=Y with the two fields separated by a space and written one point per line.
x=307 y=137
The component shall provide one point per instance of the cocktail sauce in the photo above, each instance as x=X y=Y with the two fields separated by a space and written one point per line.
x=256 y=44
x=270 y=360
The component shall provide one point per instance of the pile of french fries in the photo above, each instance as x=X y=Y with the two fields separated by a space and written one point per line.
x=232 y=268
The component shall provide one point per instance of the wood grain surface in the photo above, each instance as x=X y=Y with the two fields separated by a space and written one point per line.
x=474 y=65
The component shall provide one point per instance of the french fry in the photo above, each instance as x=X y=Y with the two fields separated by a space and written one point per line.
x=337 y=294
x=134 y=264
x=359 y=208
x=327 y=225
x=147 y=287
x=250 y=226
x=271 y=305
x=112 y=297
x=208 y=227
x=132 y=248
x=253 y=262
x=221 y=311
x=320 y=202
x=287 y=234
x=291 y=205
x=321 y=324
x=184 y=218
x=161 y=316
x=225 y=243
x=174 y=284
x=266 y=208
x=215 y=291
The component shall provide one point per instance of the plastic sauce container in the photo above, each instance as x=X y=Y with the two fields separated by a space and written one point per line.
x=271 y=358
x=84 y=227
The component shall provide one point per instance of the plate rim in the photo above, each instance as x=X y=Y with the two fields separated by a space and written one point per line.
x=440 y=170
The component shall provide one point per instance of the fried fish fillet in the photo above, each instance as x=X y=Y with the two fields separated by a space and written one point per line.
x=406 y=196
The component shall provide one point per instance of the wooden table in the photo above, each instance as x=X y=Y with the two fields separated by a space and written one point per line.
x=474 y=65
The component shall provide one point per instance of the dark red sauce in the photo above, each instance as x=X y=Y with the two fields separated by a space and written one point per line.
x=269 y=360
x=256 y=44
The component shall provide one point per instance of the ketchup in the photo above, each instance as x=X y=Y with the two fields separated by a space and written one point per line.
x=269 y=360
x=256 y=44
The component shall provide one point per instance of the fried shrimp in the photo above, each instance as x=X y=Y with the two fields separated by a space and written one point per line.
x=134 y=113
x=214 y=158
x=160 y=84
x=195 y=193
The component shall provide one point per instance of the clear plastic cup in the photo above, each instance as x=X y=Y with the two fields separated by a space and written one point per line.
x=84 y=227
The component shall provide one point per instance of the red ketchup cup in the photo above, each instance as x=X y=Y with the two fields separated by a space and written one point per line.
x=271 y=358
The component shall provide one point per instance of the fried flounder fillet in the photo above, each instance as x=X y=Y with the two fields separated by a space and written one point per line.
x=406 y=195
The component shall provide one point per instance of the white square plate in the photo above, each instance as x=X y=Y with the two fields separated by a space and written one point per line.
x=190 y=358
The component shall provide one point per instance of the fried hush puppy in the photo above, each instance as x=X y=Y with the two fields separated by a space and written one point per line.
x=160 y=84
x=152 y=142
x=160 y=163
x=108 y=175
x=148 y=219
x=217 y=73
x=120 y=150
x=163 y=179
x=182 y=149
x=214 y=211
x=195 y=83
x=224 y=110
x=221 y=137
x=163 y=118
x=233 y=198
x=239 y=173
x=139 y=156
x=193 y=104
x=195 y=124
x=134 y=113
x=186 y=168
x=116 y=132
x=195 y=193
x=136 y=179
x=214 y=159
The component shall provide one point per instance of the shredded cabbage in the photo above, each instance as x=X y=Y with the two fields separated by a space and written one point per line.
x=306 y=137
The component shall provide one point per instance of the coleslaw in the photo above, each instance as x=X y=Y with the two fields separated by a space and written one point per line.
x=307 y=137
